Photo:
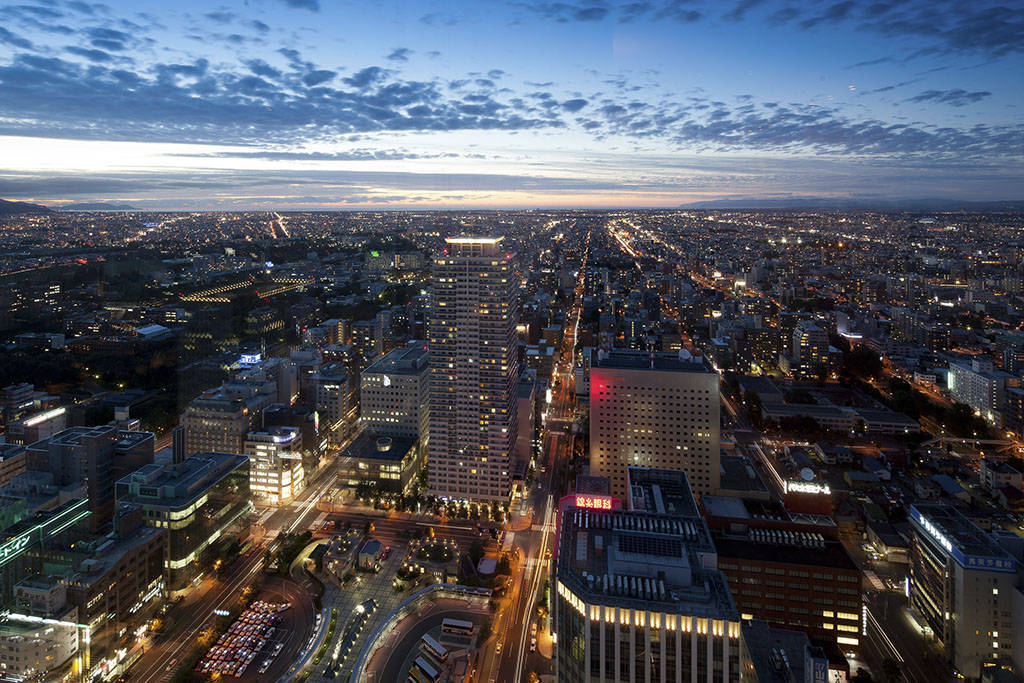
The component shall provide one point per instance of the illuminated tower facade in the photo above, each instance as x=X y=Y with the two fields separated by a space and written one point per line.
x=473 y=370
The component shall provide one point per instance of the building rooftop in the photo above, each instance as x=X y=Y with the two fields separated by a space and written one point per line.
x=412 y=360
x=958 y=535
x=785 y=547
x=660 y=490
x=179 y=484
x=371 y=446
x=642 y=560
x=630 y=359
x=738 y=474
x=777 y=655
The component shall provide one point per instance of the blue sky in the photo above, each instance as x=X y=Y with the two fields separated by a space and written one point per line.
x=582 y=103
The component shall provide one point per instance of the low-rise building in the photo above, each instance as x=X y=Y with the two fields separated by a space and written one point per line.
x=390 y=463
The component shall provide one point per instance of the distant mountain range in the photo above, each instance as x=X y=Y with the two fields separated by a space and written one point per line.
x=848 y=204
x=98 y=206
x=14 y=208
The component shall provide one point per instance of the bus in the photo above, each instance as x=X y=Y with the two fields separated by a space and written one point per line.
x=459 y=626
x=431 y=674
x=415 y=676
x=434 y=648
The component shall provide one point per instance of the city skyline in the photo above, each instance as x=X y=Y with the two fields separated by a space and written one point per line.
x=300 y=104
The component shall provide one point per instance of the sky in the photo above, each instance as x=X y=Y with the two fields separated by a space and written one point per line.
x=338 y=104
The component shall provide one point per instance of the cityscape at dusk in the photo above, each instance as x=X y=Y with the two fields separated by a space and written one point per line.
x=588 y=341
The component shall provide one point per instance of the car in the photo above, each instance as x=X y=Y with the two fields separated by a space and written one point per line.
x=533 y=644
x=497 y=649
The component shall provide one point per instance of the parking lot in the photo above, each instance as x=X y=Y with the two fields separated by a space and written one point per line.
x=252 y=639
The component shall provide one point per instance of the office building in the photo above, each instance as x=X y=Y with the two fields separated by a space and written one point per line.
x=981 y=386
x=115 y=582
x=654 y=410
x=12 y=461
x=472 y=338
x=36 y=426
x=335 y=402
x=218 y=421
x=95 y=457
x=637 y=596
x=203 y=504
x=394 y=394
x=276 y=474
x=961 y=587
x=810 y=348
x=774 y=655
x=389 y=463
x=800 y=581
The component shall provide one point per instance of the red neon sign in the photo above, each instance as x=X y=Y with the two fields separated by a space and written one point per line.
x=594 y=502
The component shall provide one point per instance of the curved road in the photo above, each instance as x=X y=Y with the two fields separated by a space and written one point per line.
x=400 y=651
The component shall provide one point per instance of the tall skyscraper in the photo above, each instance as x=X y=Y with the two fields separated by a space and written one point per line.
x=654 y=410
x=471 y=330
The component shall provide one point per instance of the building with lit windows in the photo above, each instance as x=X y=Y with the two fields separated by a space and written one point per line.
x=275 y=464
x=93 y=457
x=962 y=586
x=389 y=463
x=218 y=421
x=202 y=502
x=810 y=348
x=394 y=394
x=40 y=425
x=637 y=596
x=335 y=401
x=474 y=371
x=795 y=580
x=982 y=386
x=654 y=410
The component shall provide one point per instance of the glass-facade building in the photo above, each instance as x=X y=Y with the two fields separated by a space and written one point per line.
x=204 y=504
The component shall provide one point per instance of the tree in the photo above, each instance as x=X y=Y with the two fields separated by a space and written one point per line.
x=476 y=551
x=504 y=565
x=863 y=676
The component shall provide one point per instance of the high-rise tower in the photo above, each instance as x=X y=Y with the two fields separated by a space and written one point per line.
x=473 y=369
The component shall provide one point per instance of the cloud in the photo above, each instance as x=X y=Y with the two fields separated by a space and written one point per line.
x=220 y=17
x=399 y=54
x=318 y=77
x=573 y=106
x=8 y=38
x=91 y=55
x=311 y=5
x=988 y=27
x=957 y=97
x=199 y=102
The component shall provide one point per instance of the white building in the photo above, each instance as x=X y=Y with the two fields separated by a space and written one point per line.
x=962 y=587
x=472 y=337
x=275 y=464
x=981 y=386
x=654 y=410
x=394 y=394
x=33 y=646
